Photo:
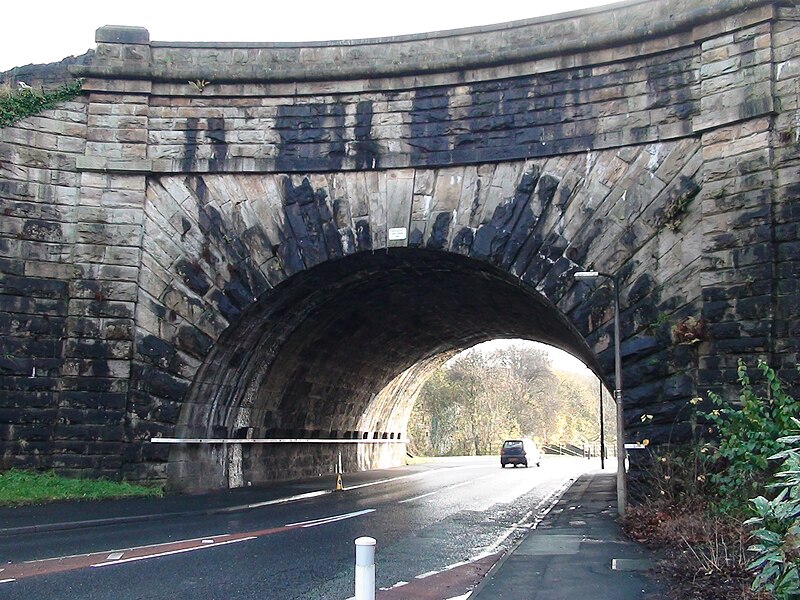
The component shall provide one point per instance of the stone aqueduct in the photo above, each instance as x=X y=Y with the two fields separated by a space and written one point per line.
x=279 y=240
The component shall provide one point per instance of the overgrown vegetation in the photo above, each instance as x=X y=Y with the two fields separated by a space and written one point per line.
x=18 y=488
x=777 y=547
x=482 y=397
x=749 y=433
x=702 y=495
x=16 y=104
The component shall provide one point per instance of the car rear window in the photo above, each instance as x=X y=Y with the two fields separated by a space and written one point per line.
x=512 y=444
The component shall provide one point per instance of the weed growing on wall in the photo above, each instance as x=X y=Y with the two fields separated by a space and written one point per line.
x=16 y=104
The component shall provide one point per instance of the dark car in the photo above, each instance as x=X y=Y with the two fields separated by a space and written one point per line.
x=519 y=452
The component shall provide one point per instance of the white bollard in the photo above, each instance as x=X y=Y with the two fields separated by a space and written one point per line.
x=365 y=568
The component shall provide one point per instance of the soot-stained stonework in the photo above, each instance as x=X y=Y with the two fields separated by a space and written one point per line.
x=312 y=134
x=367 y=151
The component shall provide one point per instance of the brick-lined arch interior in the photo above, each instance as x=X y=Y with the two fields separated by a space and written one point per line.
x=346 y=346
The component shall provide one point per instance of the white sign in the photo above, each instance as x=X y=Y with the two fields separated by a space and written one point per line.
x=397 y=233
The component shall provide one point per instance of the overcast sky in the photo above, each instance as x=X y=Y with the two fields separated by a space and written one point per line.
x=48 y=30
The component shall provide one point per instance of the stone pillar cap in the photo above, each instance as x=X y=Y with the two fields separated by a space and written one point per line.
x=122 y=34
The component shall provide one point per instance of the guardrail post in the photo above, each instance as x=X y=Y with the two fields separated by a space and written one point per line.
x=365 y=568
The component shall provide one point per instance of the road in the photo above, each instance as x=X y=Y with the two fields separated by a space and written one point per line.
x=439 y=527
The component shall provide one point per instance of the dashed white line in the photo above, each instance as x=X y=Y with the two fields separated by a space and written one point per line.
x=444 y=489
x=333 y=519
x=418 y=497
x=283 y=500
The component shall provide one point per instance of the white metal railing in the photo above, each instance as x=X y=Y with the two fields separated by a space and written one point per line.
x=168 y=440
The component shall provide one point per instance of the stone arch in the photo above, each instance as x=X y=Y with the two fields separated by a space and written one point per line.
x=347 y=345
x=189 y=182
x=237 y=267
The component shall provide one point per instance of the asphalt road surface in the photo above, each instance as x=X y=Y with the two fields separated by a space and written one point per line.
x=439 y=527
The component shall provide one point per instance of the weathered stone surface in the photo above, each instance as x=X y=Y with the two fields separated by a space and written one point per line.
x=291 y=252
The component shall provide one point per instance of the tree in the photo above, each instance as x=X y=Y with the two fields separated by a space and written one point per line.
x=481 y=397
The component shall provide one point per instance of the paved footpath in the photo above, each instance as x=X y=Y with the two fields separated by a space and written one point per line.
x=577 y=552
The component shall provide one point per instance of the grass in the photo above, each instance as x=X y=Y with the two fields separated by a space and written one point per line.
x=18 y=488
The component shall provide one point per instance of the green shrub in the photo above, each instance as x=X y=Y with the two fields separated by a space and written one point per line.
x=747 y=435
x=777 y=562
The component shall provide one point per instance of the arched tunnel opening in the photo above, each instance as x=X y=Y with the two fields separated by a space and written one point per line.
x=341 y=351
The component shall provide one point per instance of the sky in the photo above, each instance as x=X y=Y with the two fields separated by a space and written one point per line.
x=49 y=30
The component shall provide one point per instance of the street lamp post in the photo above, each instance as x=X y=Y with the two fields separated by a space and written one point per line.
x=602 y=429
x=622 y=492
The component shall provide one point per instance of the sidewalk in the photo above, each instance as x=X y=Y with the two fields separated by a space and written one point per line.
x=576 y=553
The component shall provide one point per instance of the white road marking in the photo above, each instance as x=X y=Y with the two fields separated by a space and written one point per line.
x=7 y=580
x=539 y=513
x=396 y=585
x=115 y=556
x=181 y=551
x=333 y=519
x=444 y=489
x=61 y=558
x=282 y=500
x=526 y=522
x=458 y=485
x=412 y=475
x=428 y=574
x=419 y=497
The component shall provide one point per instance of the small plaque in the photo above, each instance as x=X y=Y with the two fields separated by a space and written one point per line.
x=397 y=233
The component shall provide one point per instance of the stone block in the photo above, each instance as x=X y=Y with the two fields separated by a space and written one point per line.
x=118 y=34
x=86 y=367
x=97 y=348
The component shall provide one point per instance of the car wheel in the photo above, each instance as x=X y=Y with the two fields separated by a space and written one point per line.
x=525 y=465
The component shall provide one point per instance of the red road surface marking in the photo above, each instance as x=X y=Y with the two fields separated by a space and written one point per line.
x=445 y=584
x=14 y=571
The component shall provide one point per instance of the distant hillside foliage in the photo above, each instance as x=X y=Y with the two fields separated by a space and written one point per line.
x=479 y=398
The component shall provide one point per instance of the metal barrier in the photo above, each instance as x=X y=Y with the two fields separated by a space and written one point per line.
x=166 y=440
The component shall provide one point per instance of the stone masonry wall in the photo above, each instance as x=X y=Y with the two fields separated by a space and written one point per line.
x=159 y=236
x=556 y=112
x=749 y=302
x=39 y=196
x=785 y=138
